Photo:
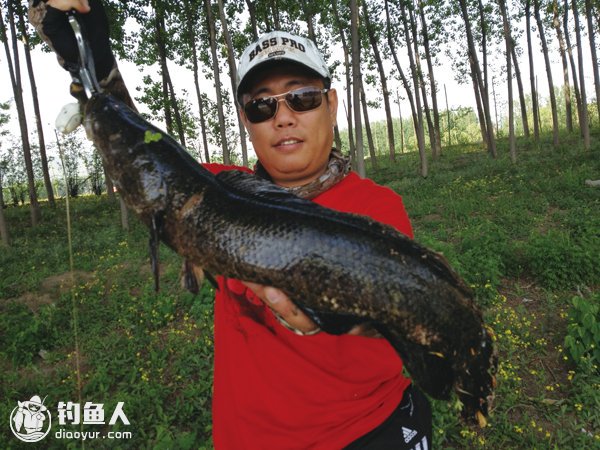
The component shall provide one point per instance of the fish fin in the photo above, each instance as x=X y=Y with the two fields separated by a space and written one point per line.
x=211 y=279
x=247 y=184
x=153 y=244
x=191 y=277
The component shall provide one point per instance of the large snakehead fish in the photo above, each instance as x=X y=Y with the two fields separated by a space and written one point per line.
x=341 y=269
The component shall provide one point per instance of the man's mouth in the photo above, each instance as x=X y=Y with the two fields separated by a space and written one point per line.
x=290 y=141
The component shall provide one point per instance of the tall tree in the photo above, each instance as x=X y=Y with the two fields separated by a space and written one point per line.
x=233 y=77
x=36 y=106
x=540 y=24
x=416 y=83
x=534 y=99
x=432 y=85
x=433 y=140
x=347 y=71
x=571 y=59
x=217 y=77
x=14 y=69
x=365 y=109
x=4 y=236
x=583 y=118
x=509 y=50
x=563 y=56
x=356 y=83
x=592 y=37
x=391 y=39
x=170 y=100
x=521 y=90
x=480 y=81
x=373 y=40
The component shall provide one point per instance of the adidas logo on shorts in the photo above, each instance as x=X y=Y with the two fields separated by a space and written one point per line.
x=408 y=434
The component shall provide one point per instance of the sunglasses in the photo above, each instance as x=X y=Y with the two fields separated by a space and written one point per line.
x=299 y=100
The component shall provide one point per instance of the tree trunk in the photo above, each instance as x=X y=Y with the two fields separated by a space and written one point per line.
x=536 y=9
x=592 y=38
x=338 y=139
x=485 y=85
x=352 y=148
x=432 y=85
x=535 y=107
x=563 y=56
x=356 y=83
x=216 y=73
x=401 y=124
x=509 y=44
x=419 y=127
x=487 y=127
x=520 y=90
x=15 y=78
x=309 y=19
x=383 y=80
x=572 y=60
x=275 y=14
x=583 y=119
x=233 y=77
x=4 y=236
x=407 y=88
x=479 y=107
x=365 y=108
x=36 y=109
x=169 y=97
x=415 y=39
x=252 y=13
x=191 y=24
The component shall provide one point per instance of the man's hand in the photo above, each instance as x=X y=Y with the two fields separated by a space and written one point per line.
x=81 y=6
x=286 y=309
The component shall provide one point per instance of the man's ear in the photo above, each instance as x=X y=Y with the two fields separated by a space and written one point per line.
x=332 y=104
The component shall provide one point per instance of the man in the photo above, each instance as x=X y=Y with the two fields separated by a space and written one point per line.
x=280 y=383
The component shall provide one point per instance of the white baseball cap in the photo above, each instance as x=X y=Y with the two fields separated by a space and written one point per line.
x=280 y=46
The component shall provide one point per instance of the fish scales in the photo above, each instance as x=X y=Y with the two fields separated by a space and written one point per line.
x=341 y=269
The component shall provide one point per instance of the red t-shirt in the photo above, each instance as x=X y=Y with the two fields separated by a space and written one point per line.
x=275 y=390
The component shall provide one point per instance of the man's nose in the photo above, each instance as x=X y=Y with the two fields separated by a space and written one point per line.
x=285 y=116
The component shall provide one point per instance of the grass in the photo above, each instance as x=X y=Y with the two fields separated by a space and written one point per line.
x=525 y=236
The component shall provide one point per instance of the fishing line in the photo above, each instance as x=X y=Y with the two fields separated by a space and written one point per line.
x=74 y=311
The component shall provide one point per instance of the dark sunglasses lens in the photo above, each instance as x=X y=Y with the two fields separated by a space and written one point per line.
x=261 y=109
x=304 y=99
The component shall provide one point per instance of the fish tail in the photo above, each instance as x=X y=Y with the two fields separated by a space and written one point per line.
x=476 y=385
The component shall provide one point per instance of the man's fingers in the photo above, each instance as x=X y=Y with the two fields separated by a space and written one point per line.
x=365 y=330
x=283 y=307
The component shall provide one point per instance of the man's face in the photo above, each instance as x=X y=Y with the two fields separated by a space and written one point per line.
x=293 y=147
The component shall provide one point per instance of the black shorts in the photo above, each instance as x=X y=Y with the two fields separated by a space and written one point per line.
x=408 y=428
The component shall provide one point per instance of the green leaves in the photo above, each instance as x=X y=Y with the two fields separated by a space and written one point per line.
x=582 y=341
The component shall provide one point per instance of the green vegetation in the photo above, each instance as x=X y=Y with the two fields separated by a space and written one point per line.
x=526 y=237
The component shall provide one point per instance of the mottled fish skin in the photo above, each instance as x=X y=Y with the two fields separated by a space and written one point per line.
x=341 y=269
